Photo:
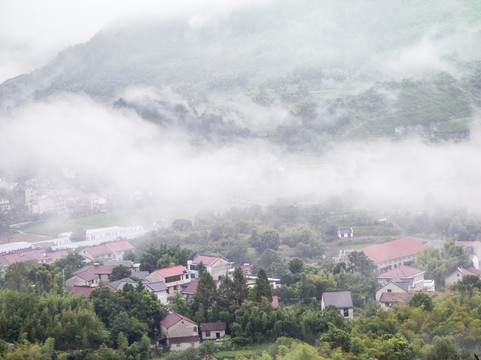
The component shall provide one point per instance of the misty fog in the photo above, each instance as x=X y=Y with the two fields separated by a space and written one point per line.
x=49 y=122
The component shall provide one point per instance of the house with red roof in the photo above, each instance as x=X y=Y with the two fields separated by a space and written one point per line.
x=84 y=278
x=215 y=265
x=172 y=277
x=391 y=254
x=114 y=250
x=415 y=277
x=179 y=332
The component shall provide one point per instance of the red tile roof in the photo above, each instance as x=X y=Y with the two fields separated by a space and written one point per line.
x=173 y=319
x=207 y=260
x=98 y=250
x=54 y=255
x=121 y=245
x=87 y=276
x=191 y=288
x=401 y=271
x=170 y=271
x=14 y=258
x=393 y=249
x=83 y=290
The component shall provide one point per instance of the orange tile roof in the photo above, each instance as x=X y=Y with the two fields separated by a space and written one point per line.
x=170 y=271
x=393 y=249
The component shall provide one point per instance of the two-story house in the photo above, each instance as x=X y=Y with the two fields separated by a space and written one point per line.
x=172 y=277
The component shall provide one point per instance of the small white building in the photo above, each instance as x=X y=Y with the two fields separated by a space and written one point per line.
x=341 y=299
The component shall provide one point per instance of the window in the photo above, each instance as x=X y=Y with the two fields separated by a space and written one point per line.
x=207 y=333
x=217 y=335
x=192 y=276
x=195 y=328
x=389 y=290
x=346 y=312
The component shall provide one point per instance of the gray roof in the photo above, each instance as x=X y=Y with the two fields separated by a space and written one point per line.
x=338 y=298
x=126 y=263
x=119 y=284
x=139 y=274
x=156 y=286
x=402 y=284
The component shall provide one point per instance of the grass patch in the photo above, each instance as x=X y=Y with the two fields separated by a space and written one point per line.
x=255 y=350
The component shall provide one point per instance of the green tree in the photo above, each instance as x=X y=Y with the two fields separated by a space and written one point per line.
x=240 y=289
x=422 y=300
x=360 y=263
x=205 y=297
x=69 y=264
x=296 y=265
x=119 y=272
x=263 y=287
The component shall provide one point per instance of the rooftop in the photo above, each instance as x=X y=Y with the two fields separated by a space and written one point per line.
x=122 y=245
x=393 y=249
x=191 y=288
x=170 y=271
x=401 y=271
x=83 y=290
x=396 y=298
x=173 y=319
x=213 y=326
x=207 y=260
x=338 y=298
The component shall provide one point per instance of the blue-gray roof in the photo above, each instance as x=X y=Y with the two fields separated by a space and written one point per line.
x=157 y=286
x=338 y=298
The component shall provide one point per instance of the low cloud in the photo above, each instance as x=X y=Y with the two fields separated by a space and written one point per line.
x=118 y=148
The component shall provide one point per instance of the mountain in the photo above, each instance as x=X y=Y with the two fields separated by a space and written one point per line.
x=300 y=74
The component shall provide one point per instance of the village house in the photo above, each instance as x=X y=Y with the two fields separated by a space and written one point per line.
x=458 y=275
x=179 y=332
x=341 y=299
x=39 y=255
x=99 y=273
x=114 y=250
x=82 y=279
x=343 y=233
x=389 y=299
x=395 y=286
x=414 y=276
x=160 y=290
x=212 y=331
x=5 y=206
x=172 y=277
x=215 y=265
x=473 y=248
x=391 y=254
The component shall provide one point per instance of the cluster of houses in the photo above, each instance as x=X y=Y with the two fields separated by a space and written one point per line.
x=398 y=280
x=101 y=246
x=40 y=196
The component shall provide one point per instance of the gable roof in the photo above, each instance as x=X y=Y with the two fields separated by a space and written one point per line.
x=191 y=288
x=403 y=284
x=98 y=250
x=83 y=290
x=338 y=298
x=213 y=326
x=119 y=284
x=121 y=245
x=464 y=272
x=207 y=260
x=393 y=249
x=173 y=319
x=157 y=286
x=401 y=271
x=170 y=271
x=87 y=276
x=396 y=298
